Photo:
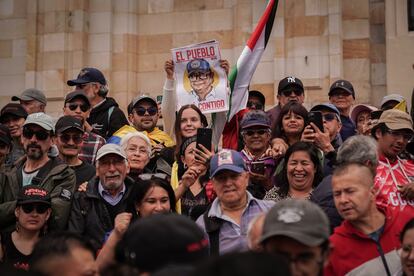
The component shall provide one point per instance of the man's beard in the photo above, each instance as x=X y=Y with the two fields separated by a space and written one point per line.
x=37 y=154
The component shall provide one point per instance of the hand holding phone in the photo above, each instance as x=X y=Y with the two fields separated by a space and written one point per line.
x=316 y=118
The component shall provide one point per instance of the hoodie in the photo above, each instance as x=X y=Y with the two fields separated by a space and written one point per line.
x=101 y=124
x=390 y=178
x=355 y=253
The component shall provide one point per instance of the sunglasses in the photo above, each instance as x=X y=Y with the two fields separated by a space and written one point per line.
x=142 y=110
x=251 y=132
x=41 y=135
x=74 y=106
x=287 y=93
x=40 y=208
x=83 y=85
x=329 y=117
x=149 y=176
x=76 y=138
x=255 y=105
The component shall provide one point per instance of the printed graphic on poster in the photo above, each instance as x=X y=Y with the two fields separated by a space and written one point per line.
x=200 y=79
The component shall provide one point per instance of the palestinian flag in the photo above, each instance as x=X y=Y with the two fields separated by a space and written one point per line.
x=242 y=73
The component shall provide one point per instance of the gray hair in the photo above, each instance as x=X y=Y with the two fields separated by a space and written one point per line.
x=359 y=149
x=138 y=134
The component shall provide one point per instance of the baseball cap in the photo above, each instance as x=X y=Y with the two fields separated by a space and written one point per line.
x=66 y=122
x=255 y=118
x=33 y=194
x=198 y=65
x=288 y=82
x=361 y=108
x=392 y=97
x=41 y=119
x=301 y=220
x=395 y=119
x=153 y=242
x=77 y=94
x=258 y=94
x=326 y=106
x=30 y=95
x=14 y=109
x=227 y=159
x=136 y=100
x=5 y=136
x=86 y=75
x=344 y=85
x=110 y=149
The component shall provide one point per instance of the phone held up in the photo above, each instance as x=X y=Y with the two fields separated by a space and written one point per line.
x=316 y=118
x=204 y=136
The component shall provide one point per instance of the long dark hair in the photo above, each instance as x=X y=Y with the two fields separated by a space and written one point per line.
x=408 y=226
x=281 y=177
x=291 y=106
x=141 y=188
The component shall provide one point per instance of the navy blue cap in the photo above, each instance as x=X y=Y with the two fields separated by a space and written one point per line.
x=87 y=75
x=326 y=106
x=198 y=65
x=289 y=82
x=255 y=118
x=343 y=85
x=227 y=159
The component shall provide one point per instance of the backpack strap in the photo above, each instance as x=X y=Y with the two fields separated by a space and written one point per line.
x=213 y=225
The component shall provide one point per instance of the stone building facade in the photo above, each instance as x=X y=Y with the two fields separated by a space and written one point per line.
x=43 y=43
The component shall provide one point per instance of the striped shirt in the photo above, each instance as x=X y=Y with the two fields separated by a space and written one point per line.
x=233 y=237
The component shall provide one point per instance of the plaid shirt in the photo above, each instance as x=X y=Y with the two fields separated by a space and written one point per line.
x=92 y=142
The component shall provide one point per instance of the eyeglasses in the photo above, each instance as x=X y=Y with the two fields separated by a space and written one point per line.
x=41 y=135
x=142 y=110
x=200 y=76
x=74 y=106
x=40 y=208
x=255 y=105
x=251 y=132
x=329 y=117
x=139 y=150
x=149 y=176
x=287 y=93
x=405 y=135
x=76 y=138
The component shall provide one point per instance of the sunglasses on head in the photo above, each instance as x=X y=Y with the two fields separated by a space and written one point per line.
x=142 y=110
x=287 y=93
x=251 y=132
x=329 y=117
x=40 y=208
x=74 y=106
x=76 y=138
x=41 y=135
x=255 y=105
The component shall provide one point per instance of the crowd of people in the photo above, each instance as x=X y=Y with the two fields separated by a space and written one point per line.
x=287 y=191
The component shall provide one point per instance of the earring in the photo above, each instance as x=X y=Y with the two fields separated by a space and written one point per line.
x=185 y=166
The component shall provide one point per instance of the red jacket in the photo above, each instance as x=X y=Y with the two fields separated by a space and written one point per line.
x=356 y=253
x=232 y=130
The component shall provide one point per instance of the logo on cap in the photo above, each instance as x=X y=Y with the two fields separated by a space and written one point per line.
x=225 y=157
x=83 y=72
x=35 y=192
x=340 y=84
x=291 y=79
x=195 y=64
x=290 y=215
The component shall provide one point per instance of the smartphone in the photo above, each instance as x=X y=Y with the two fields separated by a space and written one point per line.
x=316 y=118
x=375 y=115
x=204 y=137
x=257 y=167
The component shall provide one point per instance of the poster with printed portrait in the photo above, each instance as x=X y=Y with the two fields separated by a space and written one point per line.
x=200 y=79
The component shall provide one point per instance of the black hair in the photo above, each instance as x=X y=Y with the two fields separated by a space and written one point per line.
x=382 y=127
x=281 y=177
x=291 y=106
x=408 y=226
x=57 y=244
x=141 y=188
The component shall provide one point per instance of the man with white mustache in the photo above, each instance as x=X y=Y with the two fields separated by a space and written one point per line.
x=94 y=211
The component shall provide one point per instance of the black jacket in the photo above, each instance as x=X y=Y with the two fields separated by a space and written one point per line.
x=90 y=216
x=98 y=118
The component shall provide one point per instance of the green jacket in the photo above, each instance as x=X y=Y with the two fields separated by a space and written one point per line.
x=55 y=176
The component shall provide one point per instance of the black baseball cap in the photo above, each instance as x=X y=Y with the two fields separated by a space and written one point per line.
x=87 y=75
x=5 y=136
x=77 y=94
x=66 y=122
x=13 y=109
x=288 y=83
x=33 y=194
x=344 y=85
x=258 y=94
